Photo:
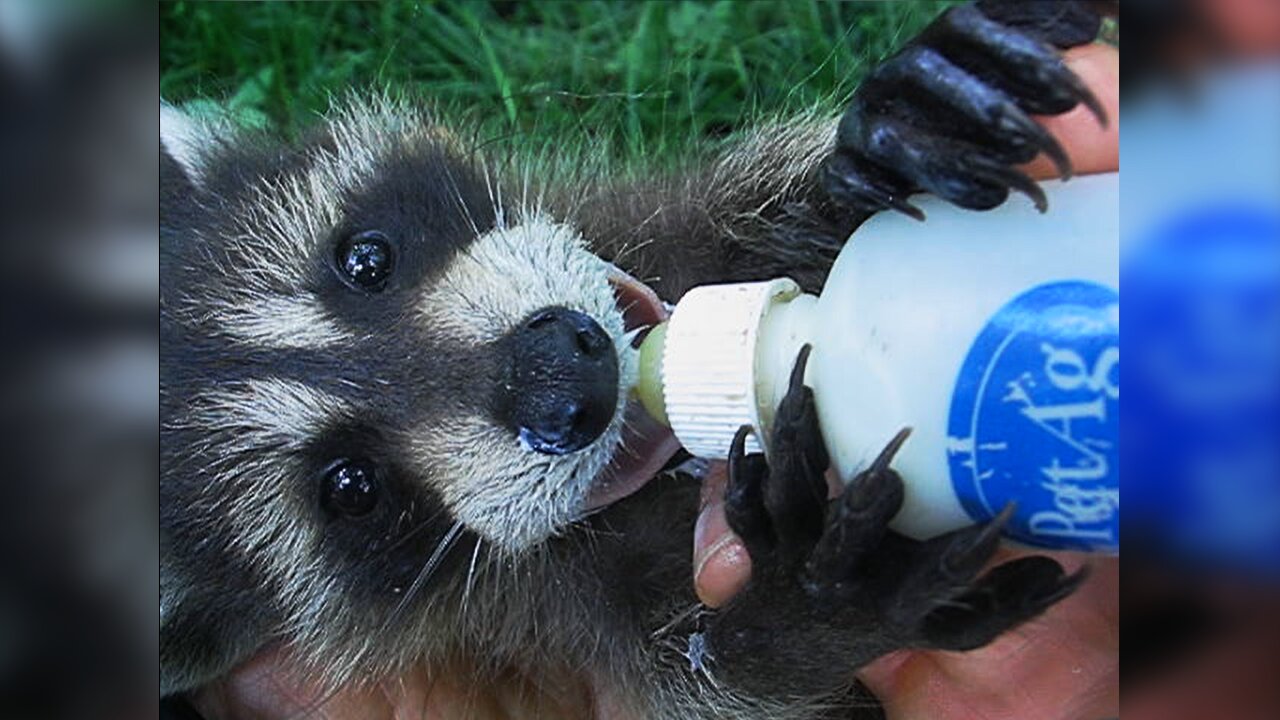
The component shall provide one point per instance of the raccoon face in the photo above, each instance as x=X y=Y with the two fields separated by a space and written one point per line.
x=365 y=352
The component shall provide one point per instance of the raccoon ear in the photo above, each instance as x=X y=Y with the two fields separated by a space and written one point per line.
x=183 y=145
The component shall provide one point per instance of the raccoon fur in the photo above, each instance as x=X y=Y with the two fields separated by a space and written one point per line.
x=394 y=384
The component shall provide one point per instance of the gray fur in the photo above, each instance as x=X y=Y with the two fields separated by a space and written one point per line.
x=524 y=586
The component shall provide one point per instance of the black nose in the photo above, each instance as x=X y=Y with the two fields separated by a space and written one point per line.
x=562 y=384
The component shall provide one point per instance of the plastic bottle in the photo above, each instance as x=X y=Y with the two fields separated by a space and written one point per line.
x=993 y=335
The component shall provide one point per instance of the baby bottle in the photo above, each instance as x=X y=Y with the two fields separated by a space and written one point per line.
x=993 y=336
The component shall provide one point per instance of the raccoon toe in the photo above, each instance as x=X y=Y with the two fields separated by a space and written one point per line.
x=991 y=105
x=795 y=492
x=1016 y=58
x=940 y=569
x=1007 y=596
x=966 y=173
x=857 y=525
x=854 y=181
x=950 y=114
x=777 y=507
x=744 y=507
x=941 y=601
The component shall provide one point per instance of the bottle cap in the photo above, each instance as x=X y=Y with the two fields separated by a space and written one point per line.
x=709 y=363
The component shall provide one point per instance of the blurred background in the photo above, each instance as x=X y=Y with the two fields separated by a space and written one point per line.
x=650 y=81
x=1200 y=270
x=78 y=359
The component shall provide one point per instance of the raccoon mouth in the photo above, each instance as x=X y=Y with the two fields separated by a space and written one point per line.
x=646 y=445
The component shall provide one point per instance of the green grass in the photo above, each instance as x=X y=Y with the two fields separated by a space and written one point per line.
x=635 y=79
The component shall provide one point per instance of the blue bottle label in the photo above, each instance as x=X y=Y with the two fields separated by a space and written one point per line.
x=1035 y=418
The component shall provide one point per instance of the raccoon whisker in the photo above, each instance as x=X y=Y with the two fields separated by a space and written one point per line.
x=627 y=308
x=462 y=204
x=501 y=208
x=488 y=186
x=630 y=248
x=495 y=197
x=471 y=576
x=428 y=569
x=622 y=445
x=677 y=619
x=594 y=534
x=540 y=200
x=413 y=532
x=629 y=337
x=657 y=211
x=524 y=192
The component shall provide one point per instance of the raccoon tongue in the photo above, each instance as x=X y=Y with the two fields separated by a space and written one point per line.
x=646 y=446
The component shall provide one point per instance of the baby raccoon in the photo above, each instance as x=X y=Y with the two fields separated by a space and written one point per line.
x=395 y=423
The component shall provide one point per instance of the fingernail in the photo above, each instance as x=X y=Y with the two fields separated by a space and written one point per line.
x=721 y=564
x=710 y=527
x=722 y=571
x=708 y=554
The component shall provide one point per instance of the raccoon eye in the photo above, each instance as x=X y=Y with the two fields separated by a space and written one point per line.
x=366 y=260
x=351 y=488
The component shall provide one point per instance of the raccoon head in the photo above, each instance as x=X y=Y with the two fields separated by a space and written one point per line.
x=366 y=353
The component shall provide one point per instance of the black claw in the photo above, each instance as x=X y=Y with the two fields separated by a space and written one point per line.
x=969 y=549
x=882 y=461
x=1003 y=517
x=857 y=528
x=796 y=434
x=907 y=209
x=1018 y=123
x=795 y=383
x=796 y=492
x=1086 y=96
x=738 y=447
x=874 y=495
x=856 y=184
x=1019 y=181
x=744 y=508
x=1004 y=176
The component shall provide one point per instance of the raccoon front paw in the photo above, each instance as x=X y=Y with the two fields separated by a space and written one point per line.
x=949 y=114
x=833 y=587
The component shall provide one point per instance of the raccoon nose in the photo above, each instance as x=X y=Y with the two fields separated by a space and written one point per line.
x=563 y=381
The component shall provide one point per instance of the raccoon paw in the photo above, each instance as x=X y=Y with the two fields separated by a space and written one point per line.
x=949 y=114
x=833 y=587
